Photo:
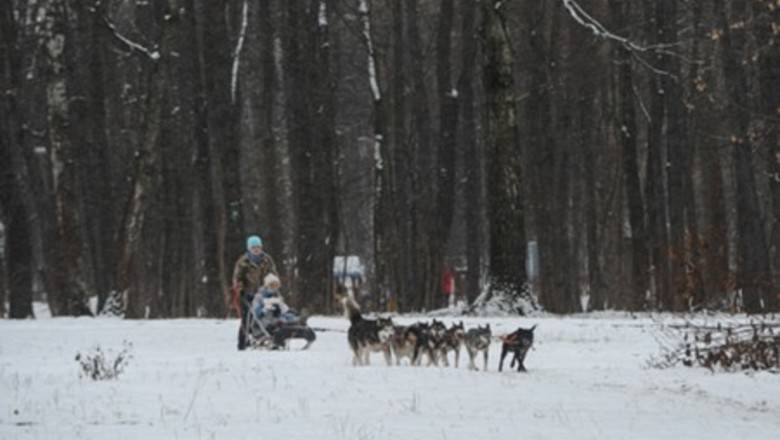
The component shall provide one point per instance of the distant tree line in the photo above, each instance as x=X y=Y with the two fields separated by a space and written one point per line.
x=635 y=142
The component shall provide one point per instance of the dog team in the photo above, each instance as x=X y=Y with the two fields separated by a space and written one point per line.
x=433 y=340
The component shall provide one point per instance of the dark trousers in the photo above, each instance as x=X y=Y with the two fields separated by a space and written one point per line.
x=244 y=328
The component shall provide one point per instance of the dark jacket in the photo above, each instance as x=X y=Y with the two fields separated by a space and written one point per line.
x=248 y=276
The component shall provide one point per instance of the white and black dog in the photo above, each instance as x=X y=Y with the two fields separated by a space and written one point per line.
x=476 y=340
x=367 y=335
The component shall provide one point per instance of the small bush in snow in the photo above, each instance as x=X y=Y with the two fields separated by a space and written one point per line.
x=99 y=365
x=748 y=346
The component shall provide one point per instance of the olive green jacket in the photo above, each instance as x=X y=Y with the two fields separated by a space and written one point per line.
x=248 y=276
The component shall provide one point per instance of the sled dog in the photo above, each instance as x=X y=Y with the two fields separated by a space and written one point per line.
x=518 y=343
x=367 y=335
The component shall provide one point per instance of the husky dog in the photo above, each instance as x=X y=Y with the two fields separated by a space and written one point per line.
x=430 y=338
x=453 y=338
x=403 y=342
x=417 y=338
x=518 y=342
x=367 y=335
x=476 y=340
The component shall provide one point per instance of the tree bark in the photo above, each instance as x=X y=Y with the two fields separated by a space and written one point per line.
x=424 y=269
x=311 y=138
x=139 y=263
x=66 y=272
x=473 y=163
x=448 y=127
x=16 y=198
x=505 y=204
x=400 y=170
x=271 y=169
x=654 y=185
x=676 y=149
x=767 y=20
x=753 y=276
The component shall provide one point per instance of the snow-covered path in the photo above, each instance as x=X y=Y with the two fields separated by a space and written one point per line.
x=586 y=380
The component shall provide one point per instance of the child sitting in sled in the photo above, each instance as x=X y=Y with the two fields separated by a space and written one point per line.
x=268 y=305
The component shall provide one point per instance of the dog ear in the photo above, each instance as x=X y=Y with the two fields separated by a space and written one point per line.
x=532 y=328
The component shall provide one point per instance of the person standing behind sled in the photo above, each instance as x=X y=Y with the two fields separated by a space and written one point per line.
x=248 y=276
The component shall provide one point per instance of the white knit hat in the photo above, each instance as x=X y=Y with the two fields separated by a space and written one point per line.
x=271 y=279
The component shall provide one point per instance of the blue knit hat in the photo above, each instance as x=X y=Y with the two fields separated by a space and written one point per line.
x=253 y=241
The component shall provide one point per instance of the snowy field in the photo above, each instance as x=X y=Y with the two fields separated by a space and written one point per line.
x=587 y=379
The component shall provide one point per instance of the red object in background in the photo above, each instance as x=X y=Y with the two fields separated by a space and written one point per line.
x=447 y=281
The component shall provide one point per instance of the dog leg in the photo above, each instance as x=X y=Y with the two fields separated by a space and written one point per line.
x=486 y=357
x=416 y=355
x=355 y=357
x=388 y=356
x=472 y=355
x=514 y=360
x=444 y=359
x=457 y=356
x=520 y=358
x=503 y=355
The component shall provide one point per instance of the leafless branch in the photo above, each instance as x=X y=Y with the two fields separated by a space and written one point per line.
x=151 y=54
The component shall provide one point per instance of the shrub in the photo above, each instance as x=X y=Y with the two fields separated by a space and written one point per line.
x=99 y=365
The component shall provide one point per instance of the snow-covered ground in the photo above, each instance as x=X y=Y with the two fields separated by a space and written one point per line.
x=587 y=379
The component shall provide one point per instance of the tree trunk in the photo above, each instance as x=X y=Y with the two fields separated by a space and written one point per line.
x=473 y=155
x=224 y=149
x=422 y=160
x=139 y=254
x=271 y=162
x=448 y=127
x=16 y=199
x=505 y=204
x=67 y=271
x=753 y=275
x=676 y=150
x=654 y=185
x=767 y=20
x=311 y=138
x=400 y=170
x=688 y=157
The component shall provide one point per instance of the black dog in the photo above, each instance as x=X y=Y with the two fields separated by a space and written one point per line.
x=518 y=342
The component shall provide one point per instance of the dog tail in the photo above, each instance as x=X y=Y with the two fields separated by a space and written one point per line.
x=351 y=309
